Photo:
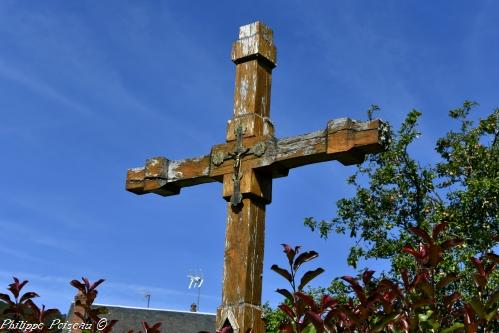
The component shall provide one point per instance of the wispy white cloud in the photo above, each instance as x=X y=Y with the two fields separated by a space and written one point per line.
x=57 y=292
x=20 y=254
x=41 y=237
x=56 y=67
x=378 y=58
x=69 y=62
x=141 y=289
x=116 y=286
x=41 y=88
x=49 y=207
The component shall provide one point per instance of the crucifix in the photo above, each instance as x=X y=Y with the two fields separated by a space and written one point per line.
x=246 y=164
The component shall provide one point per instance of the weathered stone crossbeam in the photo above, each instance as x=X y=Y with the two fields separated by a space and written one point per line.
x=344 y=139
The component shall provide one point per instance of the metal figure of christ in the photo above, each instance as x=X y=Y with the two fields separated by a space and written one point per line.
x=246 y=164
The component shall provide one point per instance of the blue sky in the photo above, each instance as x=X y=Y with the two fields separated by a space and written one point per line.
x=90 y=88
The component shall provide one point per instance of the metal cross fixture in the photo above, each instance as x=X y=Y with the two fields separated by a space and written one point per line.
x=246 y=164
x=238 y=155
x=239 y=152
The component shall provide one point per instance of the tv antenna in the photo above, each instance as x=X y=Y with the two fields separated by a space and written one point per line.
x=196 y=281
x=147 y=296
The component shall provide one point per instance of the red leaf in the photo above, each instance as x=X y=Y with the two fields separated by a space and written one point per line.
x=78 y=285
x=366 y=276
x=309 y=276
x=405 y=279
x=423 y=249
x=469 y=314
x=356 y=288
x=286 y=293
x=418 y=279
x=328 y=301
x=349 y=279
x=96 y=284
x=22 y=284
x=28 y=296
x=316 y=320
x=287 y=310
x=304 y=257
x=156 y=326
x=489 y=270
x=286 y=328
x=438 y=229
x=16 y=287
x=422 y=302
x=422 y=234
x=290 y=253
x=335 y=313
x=446 y=280
x=435 y=255
x=283 y=272
x=426 y=287
x=451 y=243
x=6 y=299
x=386 y=284
x=409 y=249
x=449 y=300
x=87 y=283
x=309 y=300
x=479 y=265
x=492 y=257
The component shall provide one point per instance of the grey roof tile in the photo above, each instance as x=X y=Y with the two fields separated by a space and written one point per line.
x=130 y=318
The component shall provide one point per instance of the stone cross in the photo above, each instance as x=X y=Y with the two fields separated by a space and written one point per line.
x=246 y=164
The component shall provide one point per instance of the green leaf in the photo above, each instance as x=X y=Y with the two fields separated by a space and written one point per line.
x=493 y=299
x=425 y=317
x=491 y=315
x=386 y=319
x=309 y=329
x=477 y=306
x=311 y=223
x=452 y=328
x=426 y=288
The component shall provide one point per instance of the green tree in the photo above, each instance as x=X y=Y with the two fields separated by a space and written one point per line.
x=395 y=192
x=273 y=318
